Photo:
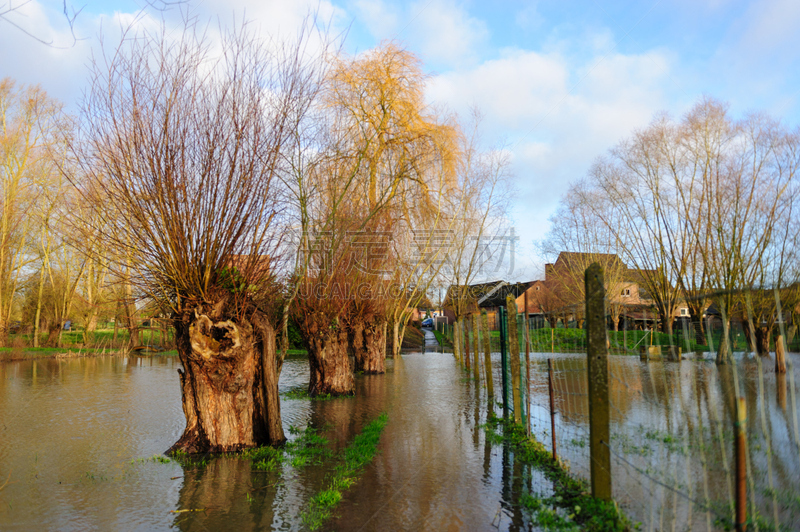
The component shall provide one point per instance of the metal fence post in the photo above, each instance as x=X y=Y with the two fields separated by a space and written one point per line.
x=504 y=359
x=597 y=355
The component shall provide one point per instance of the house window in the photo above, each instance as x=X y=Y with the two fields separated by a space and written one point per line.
x=626 y=292
x=537 y=288
x=684 y=312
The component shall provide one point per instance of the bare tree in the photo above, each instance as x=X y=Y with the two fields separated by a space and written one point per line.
x=377 y=158
x=184 y=144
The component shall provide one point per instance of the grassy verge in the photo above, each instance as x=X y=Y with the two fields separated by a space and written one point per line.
x=571 y=507
x=358 y=454
x=442 y=339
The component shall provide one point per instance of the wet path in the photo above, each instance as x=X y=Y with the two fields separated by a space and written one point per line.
x=435 y=470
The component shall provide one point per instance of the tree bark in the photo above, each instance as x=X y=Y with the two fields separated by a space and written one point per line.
x=331 y=372
x=724 y=354
x=229 y=383
x=369 y=347
x=762 y=340
x=780 y=355
x=37 y=319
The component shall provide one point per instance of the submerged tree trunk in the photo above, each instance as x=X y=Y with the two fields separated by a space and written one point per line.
x=331 y=372
x=369 y=346
x=229 y=383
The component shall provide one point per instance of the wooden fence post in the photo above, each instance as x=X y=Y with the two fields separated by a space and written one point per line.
x=741 y=466
x=597 y=355
x=513 y=344
x=552 y=406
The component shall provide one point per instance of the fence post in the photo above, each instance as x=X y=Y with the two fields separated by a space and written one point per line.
x=476 y=370
x=487 y=356
x=552 y=406
x=513 y=344
x=597 y=355
x=504 y=359
x=527 y=369
x=741 y=466
x=465 y=350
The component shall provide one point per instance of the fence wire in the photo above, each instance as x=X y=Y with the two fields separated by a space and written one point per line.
x=672 y=427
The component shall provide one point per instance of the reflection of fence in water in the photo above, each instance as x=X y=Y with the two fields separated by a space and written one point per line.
x=672 y=426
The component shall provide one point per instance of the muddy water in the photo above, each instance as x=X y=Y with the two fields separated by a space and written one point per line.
x=77 y=439
x=73 y=434
x=672 y=427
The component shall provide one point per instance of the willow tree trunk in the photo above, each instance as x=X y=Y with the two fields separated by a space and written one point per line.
x=398 y=333
x=762 y=340
x=229 y=383
x=457 y=340
x=724 y=352
x=696 y=315
x=331 y=372
x=369 y=347
x=37 y=320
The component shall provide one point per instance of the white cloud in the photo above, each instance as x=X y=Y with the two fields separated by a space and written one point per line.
x=558 y=114
x=444 y=32
x=381 y=18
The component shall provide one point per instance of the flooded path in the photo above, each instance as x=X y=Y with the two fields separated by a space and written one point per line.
x=81 y=443
x=72 y=433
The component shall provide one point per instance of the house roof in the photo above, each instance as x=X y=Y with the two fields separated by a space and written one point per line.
x=492 y=294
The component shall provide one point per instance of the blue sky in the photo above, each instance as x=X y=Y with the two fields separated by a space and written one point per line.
x=558 y=83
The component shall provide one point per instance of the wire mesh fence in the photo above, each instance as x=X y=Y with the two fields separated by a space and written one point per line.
x=673 y=424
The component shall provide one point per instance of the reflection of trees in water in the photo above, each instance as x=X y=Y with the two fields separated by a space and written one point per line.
x=226 y=494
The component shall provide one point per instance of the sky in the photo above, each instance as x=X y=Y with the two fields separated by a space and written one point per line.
x=558 y=83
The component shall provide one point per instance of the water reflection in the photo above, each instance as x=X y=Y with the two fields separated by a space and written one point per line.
x=70 y=429
x=672 y=435
x=73 y=430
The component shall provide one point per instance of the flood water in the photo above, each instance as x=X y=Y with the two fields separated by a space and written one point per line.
x=73 y=434
x=672 y=429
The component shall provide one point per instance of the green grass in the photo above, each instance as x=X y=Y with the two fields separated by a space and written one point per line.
x=562 y=340
x=301 y=392
x=442 y=339
x=571 y=507
x=358 y=454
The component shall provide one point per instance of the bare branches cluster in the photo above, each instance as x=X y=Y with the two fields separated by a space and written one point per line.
x=704 y=208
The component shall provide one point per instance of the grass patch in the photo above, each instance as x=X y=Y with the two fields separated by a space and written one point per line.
x=571 y=507
x=301 y=392
x=355 y=456
x=442 y=339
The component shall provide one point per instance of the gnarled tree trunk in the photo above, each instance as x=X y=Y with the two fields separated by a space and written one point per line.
x=229 y=383
x=762 y=340
x=331 y=372
x=369 y=346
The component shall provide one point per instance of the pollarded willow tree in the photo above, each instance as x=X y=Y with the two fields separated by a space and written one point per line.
x=381 y=151
x=179 y=146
